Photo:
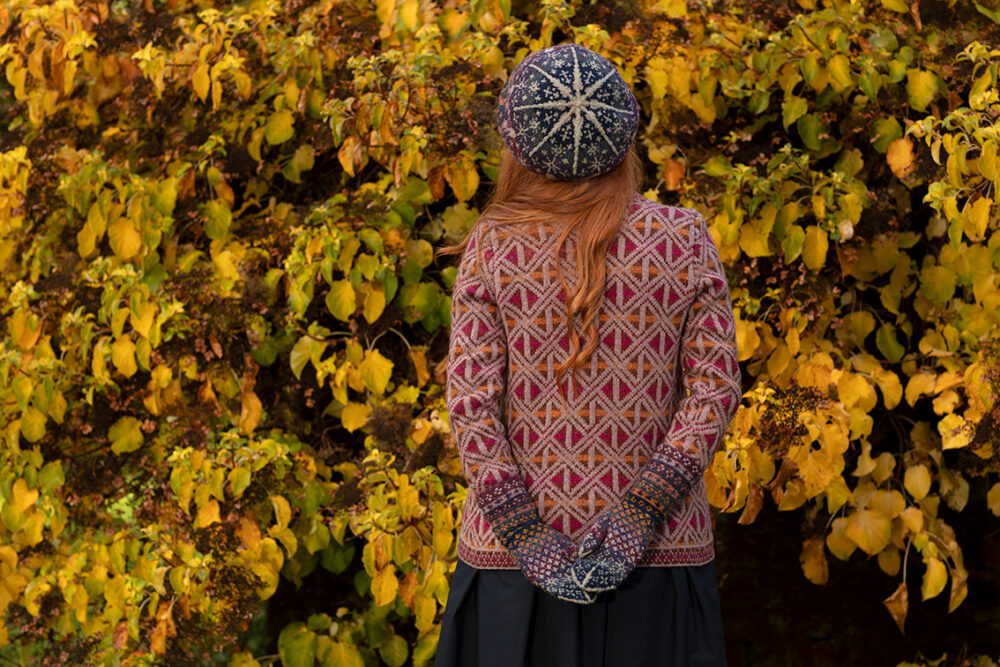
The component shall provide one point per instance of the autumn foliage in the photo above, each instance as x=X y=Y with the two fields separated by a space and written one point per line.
x=222 y=329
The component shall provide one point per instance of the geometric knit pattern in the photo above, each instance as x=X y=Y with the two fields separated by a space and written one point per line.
x=546 y=556
x=565 y=112
x=663 y=379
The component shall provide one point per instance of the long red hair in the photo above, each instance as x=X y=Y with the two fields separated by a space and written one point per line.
x=595 y=206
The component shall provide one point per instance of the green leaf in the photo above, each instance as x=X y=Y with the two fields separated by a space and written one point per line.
x=896 y=6
x=717 y=166
x=166 y=196
x=125 y=435
x=280 y=127
x=32 y=424
x=884 y=132
x=394 y=650
x=840 y=70
x=792 y=109
x=937 y=284
x=342 y=654
x=792 y=243
x=808 y=127
x=888 y=345
x=341 y=300
x=419 y=254
x=297 y=646
x=921 y=87
x=367 y=264
x=239 y=480
x=218 y=217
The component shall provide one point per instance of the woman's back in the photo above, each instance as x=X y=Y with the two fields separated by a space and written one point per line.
x=578 y=461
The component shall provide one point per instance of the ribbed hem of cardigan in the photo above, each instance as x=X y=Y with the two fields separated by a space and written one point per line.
x=654 y=557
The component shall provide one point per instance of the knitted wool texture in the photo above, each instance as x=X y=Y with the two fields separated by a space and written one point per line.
x=566 y=113
x=663 y=380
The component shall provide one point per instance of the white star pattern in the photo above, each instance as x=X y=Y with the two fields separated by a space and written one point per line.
x=577 y=114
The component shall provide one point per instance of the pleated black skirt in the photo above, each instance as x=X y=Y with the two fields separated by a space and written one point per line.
x=657 y=617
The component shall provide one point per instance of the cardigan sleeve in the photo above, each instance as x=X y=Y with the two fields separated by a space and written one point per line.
x=476 y=384
x=709 y=374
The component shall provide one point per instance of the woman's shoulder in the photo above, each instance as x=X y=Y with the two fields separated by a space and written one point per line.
x=644 y=207
x=653 y=221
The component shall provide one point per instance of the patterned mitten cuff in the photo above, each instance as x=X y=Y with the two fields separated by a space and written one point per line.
x=544 y=555
x=616 y=542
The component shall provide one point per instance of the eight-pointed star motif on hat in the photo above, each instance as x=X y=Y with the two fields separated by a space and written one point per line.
x=578 y=106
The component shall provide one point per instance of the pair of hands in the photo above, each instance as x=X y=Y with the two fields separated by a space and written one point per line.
x=605 y=557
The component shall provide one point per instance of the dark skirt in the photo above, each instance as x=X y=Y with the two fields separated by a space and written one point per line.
x=659 y=616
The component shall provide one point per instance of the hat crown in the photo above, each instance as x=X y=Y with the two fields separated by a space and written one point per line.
x=566 y=113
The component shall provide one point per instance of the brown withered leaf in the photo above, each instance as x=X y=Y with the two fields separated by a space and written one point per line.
x=897 y=604
x=673 y=174
x=813 y=561
x=754 y=502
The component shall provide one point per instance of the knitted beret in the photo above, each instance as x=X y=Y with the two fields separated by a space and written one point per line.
x=566 y=113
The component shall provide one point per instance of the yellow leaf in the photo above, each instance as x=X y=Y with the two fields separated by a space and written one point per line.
x=837 y=540
x=125 y=435
x=355 y=415
x=869 y=529
x=813 y=561
x=425 y=608
x=385 y=585
x=418 y=354
x=935 y=577
x=814 y=249
x=349 y=154
x=280 y=127
x=993 y=499
x=142 y=321
x=207 y=514
x=892 y=390
x=890 y=503
x=408 y=14
x=913 y=519
x=918 y=385
x=124 y=238
x=282 y=511
x=989 y=166
x=885 y=464
x=375 y=371
x=374 y=303
x=200 y=81
x=123 y=356
x=976 y=218
x=250 y=413
x=954 y=432
x=900 y=157
x=444 y=529
x=747 y=339
x=383 y=10
x=341 y=300
x=917 y=481
x=23 y=497
x=888 y=560
x=463 y=177
x=32 y=424
x=921 y=85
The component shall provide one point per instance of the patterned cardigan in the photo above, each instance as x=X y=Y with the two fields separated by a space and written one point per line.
x=664 y=374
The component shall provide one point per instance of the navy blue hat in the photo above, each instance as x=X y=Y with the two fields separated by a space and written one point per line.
x=566 y=113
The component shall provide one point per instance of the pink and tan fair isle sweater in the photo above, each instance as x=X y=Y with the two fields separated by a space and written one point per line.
x=660 y=334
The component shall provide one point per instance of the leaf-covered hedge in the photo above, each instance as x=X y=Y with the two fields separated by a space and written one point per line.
x=223 y=330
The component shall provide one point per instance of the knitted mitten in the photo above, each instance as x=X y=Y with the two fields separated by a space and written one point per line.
x=610 y=549
x=544 y=555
